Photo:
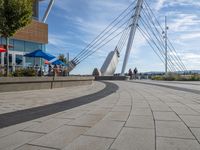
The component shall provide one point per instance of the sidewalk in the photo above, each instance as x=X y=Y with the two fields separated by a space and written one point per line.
x=137 y=116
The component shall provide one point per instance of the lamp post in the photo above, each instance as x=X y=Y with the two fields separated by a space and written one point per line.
x=166 y=45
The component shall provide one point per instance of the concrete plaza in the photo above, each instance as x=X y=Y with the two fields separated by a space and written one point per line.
x=110 y=115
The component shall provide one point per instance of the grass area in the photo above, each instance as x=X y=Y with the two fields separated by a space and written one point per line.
x=175 y=77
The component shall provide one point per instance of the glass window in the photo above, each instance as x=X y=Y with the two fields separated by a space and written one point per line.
x=3 y=41
x=10 y=59
x=35 y=9
x=29 y=62
x=18 y=45
x=30 y=46
x=19 y=60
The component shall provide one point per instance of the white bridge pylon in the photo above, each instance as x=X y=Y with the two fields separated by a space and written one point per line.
x=110 y=65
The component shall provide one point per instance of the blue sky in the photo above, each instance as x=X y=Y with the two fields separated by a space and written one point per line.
x=75 y=23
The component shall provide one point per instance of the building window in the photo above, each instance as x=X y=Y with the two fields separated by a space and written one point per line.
x=19 y=45
x=19 y=60
x=30 y=46
x=35 y=9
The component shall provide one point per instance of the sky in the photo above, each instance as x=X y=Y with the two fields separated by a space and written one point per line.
x=75 y=23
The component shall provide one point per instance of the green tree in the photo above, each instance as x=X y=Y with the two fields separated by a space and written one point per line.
x=63 y=58
x=14 y=14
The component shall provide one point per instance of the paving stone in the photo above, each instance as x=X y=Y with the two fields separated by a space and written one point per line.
x=191 y=121
x=161 y=108
x=117 y=116
x=175 y=104
x=184 y=111
x=86 y=120
x=90 y=143
x=45 y=118
x=196 y=132
x=141 y=112
x=122 y=108
x=176 y=144
x=88 y=107
x=60 y=137
x=47 y=126
x=167 y=116
x=12 y=129
x=106 y=128
x=135 y=139
x=32 y=147
x=72 y=114
x=99 y=111
x=124 y=102
x=140 y=122
x=173 y=129
x=17 y=139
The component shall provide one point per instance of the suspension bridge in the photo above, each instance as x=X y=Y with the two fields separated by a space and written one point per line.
x=138 y=16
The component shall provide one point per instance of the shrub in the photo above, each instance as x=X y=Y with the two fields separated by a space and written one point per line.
x=1 y=74
x=24 y=72
x=175 y=77
x=29 y=72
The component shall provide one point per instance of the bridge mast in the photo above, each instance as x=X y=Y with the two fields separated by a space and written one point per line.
x=132 y=34
x=48 y=11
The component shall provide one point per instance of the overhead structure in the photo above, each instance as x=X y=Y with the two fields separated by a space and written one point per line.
x=132 y=34
x=137 y=17
x=48 y=10
x=166 y=48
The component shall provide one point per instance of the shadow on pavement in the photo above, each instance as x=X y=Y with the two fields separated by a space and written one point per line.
x=21 y=116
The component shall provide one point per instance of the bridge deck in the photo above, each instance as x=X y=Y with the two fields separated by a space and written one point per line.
x=115 y=115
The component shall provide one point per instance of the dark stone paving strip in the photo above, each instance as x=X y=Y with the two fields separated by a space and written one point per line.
x=170 y=87
x=21 y=116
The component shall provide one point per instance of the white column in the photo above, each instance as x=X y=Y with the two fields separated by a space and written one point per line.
x=132 y=34
x=13 y=61
x=48 y=11
x=2 y=58
x=23 y=61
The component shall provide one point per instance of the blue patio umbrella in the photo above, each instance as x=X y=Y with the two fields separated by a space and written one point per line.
x=58 y=62
x=40 y=54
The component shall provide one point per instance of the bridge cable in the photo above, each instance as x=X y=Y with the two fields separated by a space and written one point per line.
x=102 y=40
x=153 y=41
x=106 y=30
x=174 y=50
x=150 y=44
x=162 y=42
x=89 y=49
x=101 y=46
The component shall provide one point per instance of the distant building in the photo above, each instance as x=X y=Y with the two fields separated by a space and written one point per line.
x=28 y=39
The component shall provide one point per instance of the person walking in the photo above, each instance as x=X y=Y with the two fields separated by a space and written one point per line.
x=130 y=73
x=135 y=73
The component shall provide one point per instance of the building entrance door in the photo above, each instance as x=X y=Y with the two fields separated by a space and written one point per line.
x=16 y=60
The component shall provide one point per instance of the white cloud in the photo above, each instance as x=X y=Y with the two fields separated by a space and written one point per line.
x=183 y=22
x=191 y=60
x=159 y=4
x=191 y=35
